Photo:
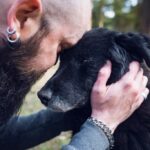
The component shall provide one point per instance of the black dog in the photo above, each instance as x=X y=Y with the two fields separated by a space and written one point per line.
x=71 y=85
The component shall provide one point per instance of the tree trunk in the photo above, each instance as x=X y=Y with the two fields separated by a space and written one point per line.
x=98 y=16
x=145 y=17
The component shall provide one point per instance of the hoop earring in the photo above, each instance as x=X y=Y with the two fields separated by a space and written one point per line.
x=13 y=43
x=10 y=33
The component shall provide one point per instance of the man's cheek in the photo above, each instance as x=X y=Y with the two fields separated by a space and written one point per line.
x=39 y=63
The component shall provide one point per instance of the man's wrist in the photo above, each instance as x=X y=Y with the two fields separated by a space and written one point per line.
x=109 y=123
x=105 y=129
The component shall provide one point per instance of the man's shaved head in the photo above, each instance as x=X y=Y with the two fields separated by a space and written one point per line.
x=73 y=12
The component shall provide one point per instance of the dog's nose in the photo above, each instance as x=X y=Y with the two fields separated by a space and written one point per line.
x=45 y=96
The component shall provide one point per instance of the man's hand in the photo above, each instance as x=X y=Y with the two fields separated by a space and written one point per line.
x=113 y=104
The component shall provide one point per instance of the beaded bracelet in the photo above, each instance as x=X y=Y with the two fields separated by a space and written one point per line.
x=105 y=129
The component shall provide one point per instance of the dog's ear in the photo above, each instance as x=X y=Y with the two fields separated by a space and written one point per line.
x=138 y=45
x=120 y=61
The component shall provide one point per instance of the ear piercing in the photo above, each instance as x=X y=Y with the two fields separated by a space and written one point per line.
x=10 y=33
x=12 y=38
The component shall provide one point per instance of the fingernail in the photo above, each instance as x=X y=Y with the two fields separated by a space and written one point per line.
x=104 y=69
x=141 y=69
x=134 y=63
x=108 y=63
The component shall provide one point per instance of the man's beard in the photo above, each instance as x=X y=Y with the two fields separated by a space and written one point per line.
x=14 y=83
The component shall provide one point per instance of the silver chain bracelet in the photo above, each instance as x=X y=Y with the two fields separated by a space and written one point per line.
x=105 y=129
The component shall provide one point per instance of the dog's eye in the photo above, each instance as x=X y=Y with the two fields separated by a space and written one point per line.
x=85 y=61
x=89 y=60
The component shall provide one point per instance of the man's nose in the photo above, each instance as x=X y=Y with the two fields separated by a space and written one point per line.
x=45 y=96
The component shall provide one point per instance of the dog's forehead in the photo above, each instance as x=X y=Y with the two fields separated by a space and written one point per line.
x=77 y=52
x=96 y=39
x=67 y=55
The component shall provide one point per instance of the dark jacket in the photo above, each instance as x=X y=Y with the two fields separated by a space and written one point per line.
x=20 y=133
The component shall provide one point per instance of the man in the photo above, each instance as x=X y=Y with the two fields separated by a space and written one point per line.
x=33 y=33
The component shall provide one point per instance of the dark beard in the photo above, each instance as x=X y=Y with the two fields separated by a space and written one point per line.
x=14 y=82
x=13 y=88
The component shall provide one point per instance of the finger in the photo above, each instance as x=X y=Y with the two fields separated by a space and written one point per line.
x=145 y=93
x=143 y=84
x=144 y=81
x=133 y=70
x=104 y=75
x=140 y=100
x=139 y=77
x=137 y=104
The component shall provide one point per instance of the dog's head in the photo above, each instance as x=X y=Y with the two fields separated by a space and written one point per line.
x=71 y=85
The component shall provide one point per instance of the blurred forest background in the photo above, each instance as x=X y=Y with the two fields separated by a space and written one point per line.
x=122 y=15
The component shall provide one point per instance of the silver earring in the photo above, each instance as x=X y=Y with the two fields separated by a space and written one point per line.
x=9 y=34
x=13 y=43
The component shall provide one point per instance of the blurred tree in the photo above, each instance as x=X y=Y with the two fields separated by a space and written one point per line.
x=125 y=15
x=98 y=16
x=145 y=16
x=122 y=15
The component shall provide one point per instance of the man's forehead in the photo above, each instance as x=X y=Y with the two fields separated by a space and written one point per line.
x=72 y=35
x=75 y=32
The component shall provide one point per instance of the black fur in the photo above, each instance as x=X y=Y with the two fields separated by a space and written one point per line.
x=71 y=85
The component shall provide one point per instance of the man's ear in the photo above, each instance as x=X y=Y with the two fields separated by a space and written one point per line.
x=25 y=16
